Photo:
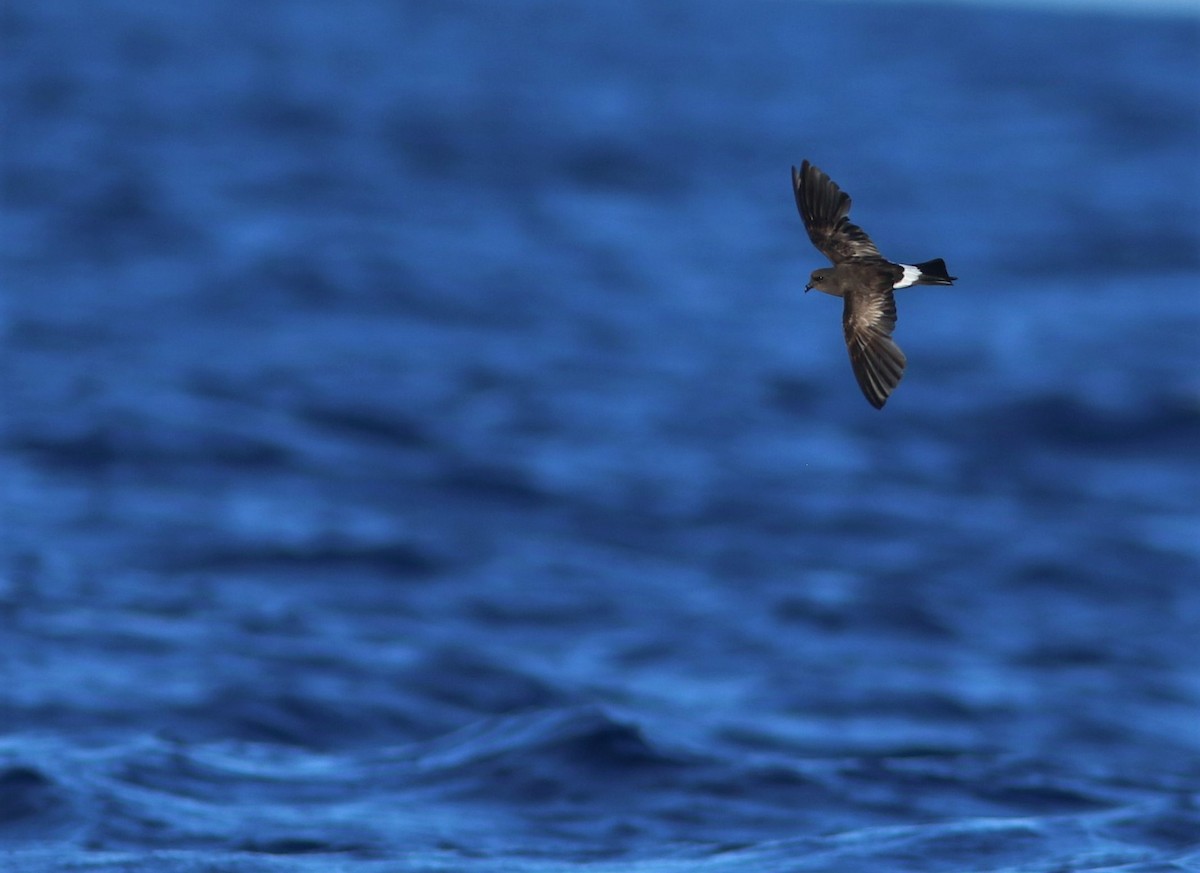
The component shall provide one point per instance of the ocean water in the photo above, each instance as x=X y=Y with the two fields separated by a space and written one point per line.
x=418 y=453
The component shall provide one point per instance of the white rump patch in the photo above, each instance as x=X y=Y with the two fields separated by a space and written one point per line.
x=911 y=275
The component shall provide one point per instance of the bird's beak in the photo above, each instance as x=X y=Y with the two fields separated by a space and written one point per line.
x=807 y=288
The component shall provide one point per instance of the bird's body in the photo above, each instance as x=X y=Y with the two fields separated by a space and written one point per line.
x=863 y=278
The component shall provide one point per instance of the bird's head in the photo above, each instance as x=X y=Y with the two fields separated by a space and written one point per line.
x=817 y=280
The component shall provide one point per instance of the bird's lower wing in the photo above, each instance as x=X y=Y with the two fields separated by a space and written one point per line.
x=868 y=320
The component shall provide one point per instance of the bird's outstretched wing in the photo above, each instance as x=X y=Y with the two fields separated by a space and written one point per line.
x=868 y=319
x=824 y=207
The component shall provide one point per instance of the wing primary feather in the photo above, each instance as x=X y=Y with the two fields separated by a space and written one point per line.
x=878 y=363
x=825 y=208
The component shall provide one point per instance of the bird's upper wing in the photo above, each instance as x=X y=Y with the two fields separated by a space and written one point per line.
x=824 y=207
x=868 y=319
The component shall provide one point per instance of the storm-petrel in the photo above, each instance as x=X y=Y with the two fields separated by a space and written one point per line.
x=863 y=278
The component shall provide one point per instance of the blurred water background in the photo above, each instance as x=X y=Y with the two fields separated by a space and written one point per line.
x=418 y=454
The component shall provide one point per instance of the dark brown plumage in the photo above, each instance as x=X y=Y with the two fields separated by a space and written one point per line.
x=863 y=278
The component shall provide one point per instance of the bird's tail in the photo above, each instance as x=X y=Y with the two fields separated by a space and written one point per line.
x=934 y=273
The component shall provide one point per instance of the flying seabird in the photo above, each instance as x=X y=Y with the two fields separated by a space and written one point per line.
x=863 y=278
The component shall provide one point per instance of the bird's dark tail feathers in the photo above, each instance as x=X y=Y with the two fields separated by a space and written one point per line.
x=934 y=273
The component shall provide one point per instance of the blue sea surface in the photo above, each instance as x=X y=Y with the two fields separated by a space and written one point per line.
x=418 y=453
